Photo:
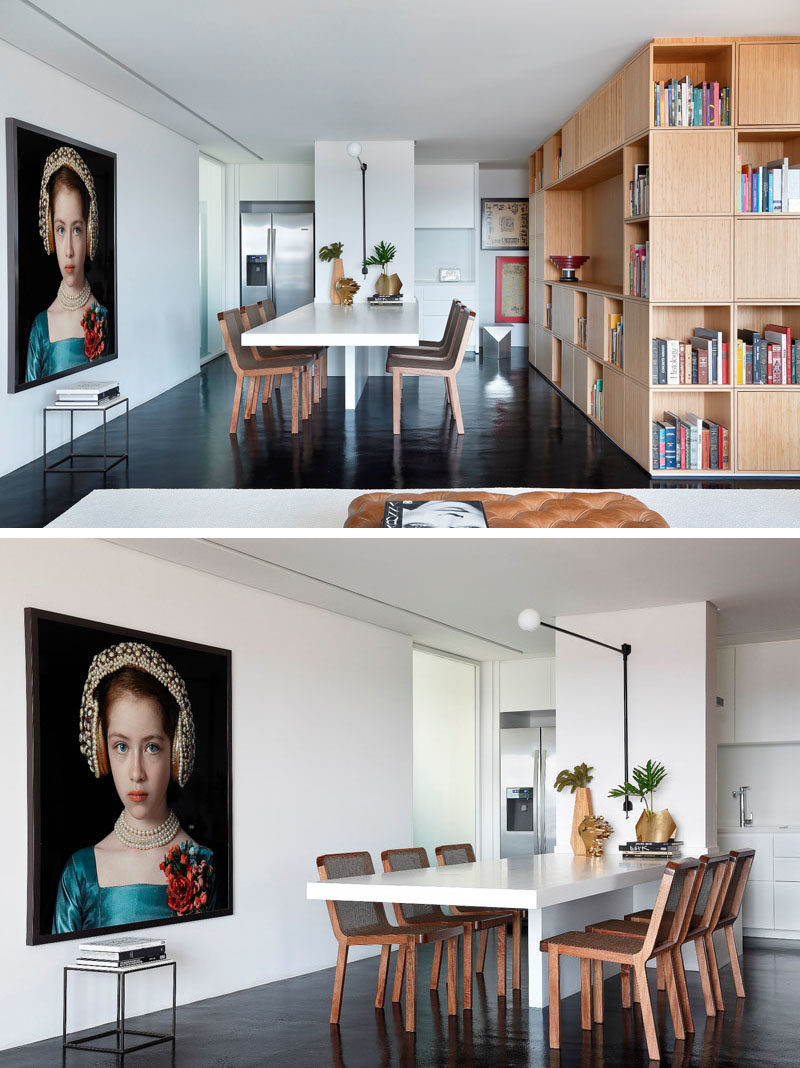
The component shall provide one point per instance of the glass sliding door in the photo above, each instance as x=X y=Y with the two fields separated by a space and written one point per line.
x=211 y=238
x=444 y=750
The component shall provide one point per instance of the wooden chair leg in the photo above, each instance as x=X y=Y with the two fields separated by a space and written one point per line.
x=317 y=382
x=383 y=971
x=516 y=938
x=323 y=361
x=452 y=976
x=305 y=375
x=295 y=401
x=640 y=975
x=456 y=406
x=411 y=985
x=735 y=969
x=338 y=983
x=554 y=995
x=259 y=382
x=625 y=977
x=683 y=991
x=436 y=968
x=399 y=972
x=713 y=971
x=661 y=981
x=597 y=990
x=675 y=1010
x=482 y=943
x=705 y=978
x=270 y=389
x=501 y=961
x=397 y=394
x=586 y=994
x=468 y=936
x=447 y=396
x=237 y=402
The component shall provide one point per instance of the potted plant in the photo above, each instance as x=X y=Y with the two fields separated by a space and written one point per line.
x=578 y=782
x=387 y=285
x=652 y=826
x=333 y=253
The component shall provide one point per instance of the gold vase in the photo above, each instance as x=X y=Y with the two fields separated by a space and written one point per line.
x=388 y=285
x=338 y=272
x=655 y=826
x=583 y=808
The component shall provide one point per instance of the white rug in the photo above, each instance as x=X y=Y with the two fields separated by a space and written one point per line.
x=222 y=509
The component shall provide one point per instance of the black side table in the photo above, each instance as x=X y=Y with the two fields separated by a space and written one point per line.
x=116 y=458
x=121 y=1032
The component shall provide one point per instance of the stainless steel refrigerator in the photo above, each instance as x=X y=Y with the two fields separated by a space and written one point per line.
x=527 y=773
x=277 y=249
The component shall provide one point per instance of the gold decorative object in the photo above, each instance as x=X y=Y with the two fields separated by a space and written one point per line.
x=346 y=287
x=583 y=808
x=655 y=826
x=593 y=831
x=388 y=285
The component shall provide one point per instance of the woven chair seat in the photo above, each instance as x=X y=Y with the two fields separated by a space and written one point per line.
x=589 y=941
x=643 y=916
x=626 y=928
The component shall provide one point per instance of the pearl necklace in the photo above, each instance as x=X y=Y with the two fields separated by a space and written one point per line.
x=70 y=302
x=155 y=838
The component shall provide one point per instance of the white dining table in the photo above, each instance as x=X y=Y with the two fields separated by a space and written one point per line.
x=561 y=893
x=356 y=327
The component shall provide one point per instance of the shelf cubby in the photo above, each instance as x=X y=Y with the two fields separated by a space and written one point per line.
x=579 y=312
x=704 y=61
x=716 y=406
x=760 y=147
x=756 y=317
x=679 y=321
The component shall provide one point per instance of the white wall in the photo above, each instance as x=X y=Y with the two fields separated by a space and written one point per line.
x=158 y=298
x=390 y=218
x=771 y=772
x=444 y=758
x=321 y=762
x=668 y=705
x=497 y=182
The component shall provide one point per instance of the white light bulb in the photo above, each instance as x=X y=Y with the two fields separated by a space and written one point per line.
x=354 y=149
x=528 y=619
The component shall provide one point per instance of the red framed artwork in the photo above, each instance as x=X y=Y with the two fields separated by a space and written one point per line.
x=511 y=289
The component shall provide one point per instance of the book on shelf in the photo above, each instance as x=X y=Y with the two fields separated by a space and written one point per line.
x=767 y=359
x=638 y=192
x=118 y=950
x=679 y=102
x=773 y=187
x=689 y=443
x=637 y=269
x=615 y=326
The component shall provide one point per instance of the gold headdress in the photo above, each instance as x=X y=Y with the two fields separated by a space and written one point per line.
x=142 y=658
x=66 y=157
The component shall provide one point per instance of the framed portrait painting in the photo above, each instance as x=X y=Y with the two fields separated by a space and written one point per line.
x=504 y=223
x=62 y=277
x=129 y=779
x=511 y=289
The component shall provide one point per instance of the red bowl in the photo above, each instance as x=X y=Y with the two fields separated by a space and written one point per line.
x=569 y=262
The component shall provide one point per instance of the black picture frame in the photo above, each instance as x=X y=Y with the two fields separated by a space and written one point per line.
x=68 y=808
x=504 y=223
x=33 y=275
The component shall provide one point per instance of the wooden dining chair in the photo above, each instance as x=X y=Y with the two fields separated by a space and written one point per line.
x=446 y=366
x=661 y=937
x=364 y=923
x=247 y=367
x=263 y=311
x=415 y=858
x=729 y=909
x=431 y=348
x=463 y=853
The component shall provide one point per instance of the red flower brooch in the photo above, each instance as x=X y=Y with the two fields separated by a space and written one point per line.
x=189 y=878
x=94 y=331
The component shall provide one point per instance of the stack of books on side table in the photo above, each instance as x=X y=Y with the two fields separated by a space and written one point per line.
x=647 y=850
x=121 y=952
x=86 y=394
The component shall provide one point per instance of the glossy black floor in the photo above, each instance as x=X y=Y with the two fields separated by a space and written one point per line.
x=520 y=431
x=284 y=1025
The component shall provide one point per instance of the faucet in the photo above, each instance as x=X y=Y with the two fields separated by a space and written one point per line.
x=744 y=820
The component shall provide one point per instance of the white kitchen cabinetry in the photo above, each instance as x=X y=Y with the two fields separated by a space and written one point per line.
x=434 y=306
x=771 y=905
x=767 y=687
x=787 y=906
x=444 y=196
x=276 y=181
x=726 y=659
x=526 y=685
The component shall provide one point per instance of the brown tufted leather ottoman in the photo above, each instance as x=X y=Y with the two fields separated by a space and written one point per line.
x=538 y=508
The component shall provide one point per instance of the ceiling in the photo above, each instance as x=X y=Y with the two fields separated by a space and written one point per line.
x=463 y=595
x=467 y=80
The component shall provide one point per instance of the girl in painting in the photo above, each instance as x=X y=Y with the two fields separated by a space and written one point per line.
x=136 y=724
x=71 y=331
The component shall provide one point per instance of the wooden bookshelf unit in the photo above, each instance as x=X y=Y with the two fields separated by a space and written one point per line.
x=709 y=265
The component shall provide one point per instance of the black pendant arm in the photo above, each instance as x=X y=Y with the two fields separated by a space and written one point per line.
x=364 y=218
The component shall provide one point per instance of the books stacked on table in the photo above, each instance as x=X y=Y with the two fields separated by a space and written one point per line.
x=121 y=952
x=651 y=850
x=86 y=394
x=377 y=299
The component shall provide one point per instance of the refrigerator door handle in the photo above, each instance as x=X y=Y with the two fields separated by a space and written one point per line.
x=536 y=791
x=270 y=263
x=542 y=828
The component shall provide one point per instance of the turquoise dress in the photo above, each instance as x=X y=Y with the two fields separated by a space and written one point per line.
x=46 y=357
x=83 y=905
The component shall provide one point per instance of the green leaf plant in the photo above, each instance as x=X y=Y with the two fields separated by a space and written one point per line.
x=646 y=780
x=330 y=252
x=381 y=257
x=576 y=779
